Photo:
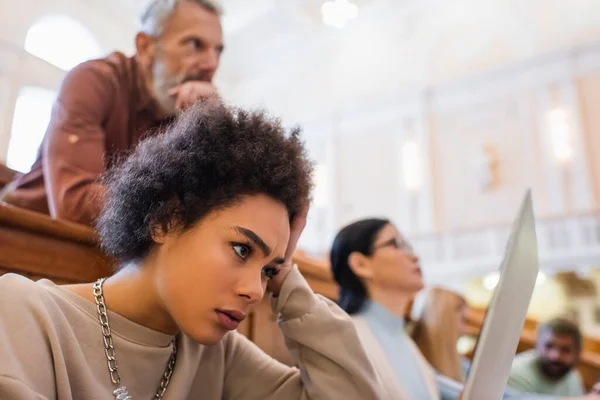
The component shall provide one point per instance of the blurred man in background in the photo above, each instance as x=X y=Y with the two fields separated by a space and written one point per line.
x=550 y=368
x=104 y=107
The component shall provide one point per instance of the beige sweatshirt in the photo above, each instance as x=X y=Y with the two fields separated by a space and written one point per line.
x=51 y=348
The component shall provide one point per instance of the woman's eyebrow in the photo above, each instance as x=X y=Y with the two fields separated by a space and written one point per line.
x=254 y=238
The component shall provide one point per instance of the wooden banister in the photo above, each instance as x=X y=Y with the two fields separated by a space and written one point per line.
x=38 y=246
x=6 y=175
x=20 y=218
x=318 y=275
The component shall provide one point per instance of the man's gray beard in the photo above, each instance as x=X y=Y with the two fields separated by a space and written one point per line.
x=161 y=84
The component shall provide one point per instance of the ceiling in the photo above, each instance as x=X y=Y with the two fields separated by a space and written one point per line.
x=238 y=13
x=277 y=47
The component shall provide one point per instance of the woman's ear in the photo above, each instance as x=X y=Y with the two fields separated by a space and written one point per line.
x=360 y=265
x=158 y=233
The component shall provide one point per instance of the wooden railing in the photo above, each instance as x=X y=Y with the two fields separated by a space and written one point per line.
x=6 y=175
x=37 y=246
x=565 y=243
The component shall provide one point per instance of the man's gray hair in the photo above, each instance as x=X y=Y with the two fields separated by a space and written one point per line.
x=157 y=12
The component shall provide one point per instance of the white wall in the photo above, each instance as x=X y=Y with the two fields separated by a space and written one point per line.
x=306 y=71
x=506 y=109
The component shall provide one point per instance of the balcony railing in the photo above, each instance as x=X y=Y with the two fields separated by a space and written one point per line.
x=565 y=243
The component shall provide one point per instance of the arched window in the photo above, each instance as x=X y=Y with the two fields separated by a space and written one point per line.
x=61 y=41
x=31 y=118
x=64 y=43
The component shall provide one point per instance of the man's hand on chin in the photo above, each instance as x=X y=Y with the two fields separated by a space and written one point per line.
x=188 y=93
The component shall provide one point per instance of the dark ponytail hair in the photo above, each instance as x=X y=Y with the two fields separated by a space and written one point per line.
x=358 y=236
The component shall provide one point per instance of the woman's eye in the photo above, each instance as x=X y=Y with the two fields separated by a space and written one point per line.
x=241 y=250
x=270 y=272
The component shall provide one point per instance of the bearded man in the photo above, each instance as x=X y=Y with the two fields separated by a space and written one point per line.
x=106 y=106
x=550 y=368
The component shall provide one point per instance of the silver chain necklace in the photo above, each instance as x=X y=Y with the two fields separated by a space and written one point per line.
x=121 y=392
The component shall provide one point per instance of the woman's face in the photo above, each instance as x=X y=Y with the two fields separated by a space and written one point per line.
x=393 y=263
x=209 y=277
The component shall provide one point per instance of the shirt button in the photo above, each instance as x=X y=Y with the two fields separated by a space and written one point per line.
x=73 y=139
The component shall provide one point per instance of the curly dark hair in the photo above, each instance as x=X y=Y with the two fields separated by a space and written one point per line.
x=208 y=159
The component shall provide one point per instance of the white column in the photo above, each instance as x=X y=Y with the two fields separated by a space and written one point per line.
x=563 y=159
x=320 y=226
x=416 y=184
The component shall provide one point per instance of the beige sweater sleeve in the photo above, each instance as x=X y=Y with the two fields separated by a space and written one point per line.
x=323 y=341
x=11 y=388
x=25 y=356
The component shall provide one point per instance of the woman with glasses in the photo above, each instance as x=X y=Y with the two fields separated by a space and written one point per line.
x=379 y=274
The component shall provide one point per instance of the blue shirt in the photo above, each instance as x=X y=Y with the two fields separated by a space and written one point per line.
x=390 y=333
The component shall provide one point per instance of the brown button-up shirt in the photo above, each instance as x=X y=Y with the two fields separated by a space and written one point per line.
x=102 y=111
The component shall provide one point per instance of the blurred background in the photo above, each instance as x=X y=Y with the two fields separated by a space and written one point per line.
x=437 y=114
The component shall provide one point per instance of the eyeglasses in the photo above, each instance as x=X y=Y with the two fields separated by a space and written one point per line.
x=396 y=243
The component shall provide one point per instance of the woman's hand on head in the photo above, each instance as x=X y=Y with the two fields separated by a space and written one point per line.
x=296 y=227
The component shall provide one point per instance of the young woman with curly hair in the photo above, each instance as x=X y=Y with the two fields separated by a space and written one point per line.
x=203 y=220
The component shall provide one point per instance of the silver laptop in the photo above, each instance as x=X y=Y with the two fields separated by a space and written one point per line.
x=505 y=316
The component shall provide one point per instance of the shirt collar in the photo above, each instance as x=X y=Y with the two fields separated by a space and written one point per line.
x=378 y=314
